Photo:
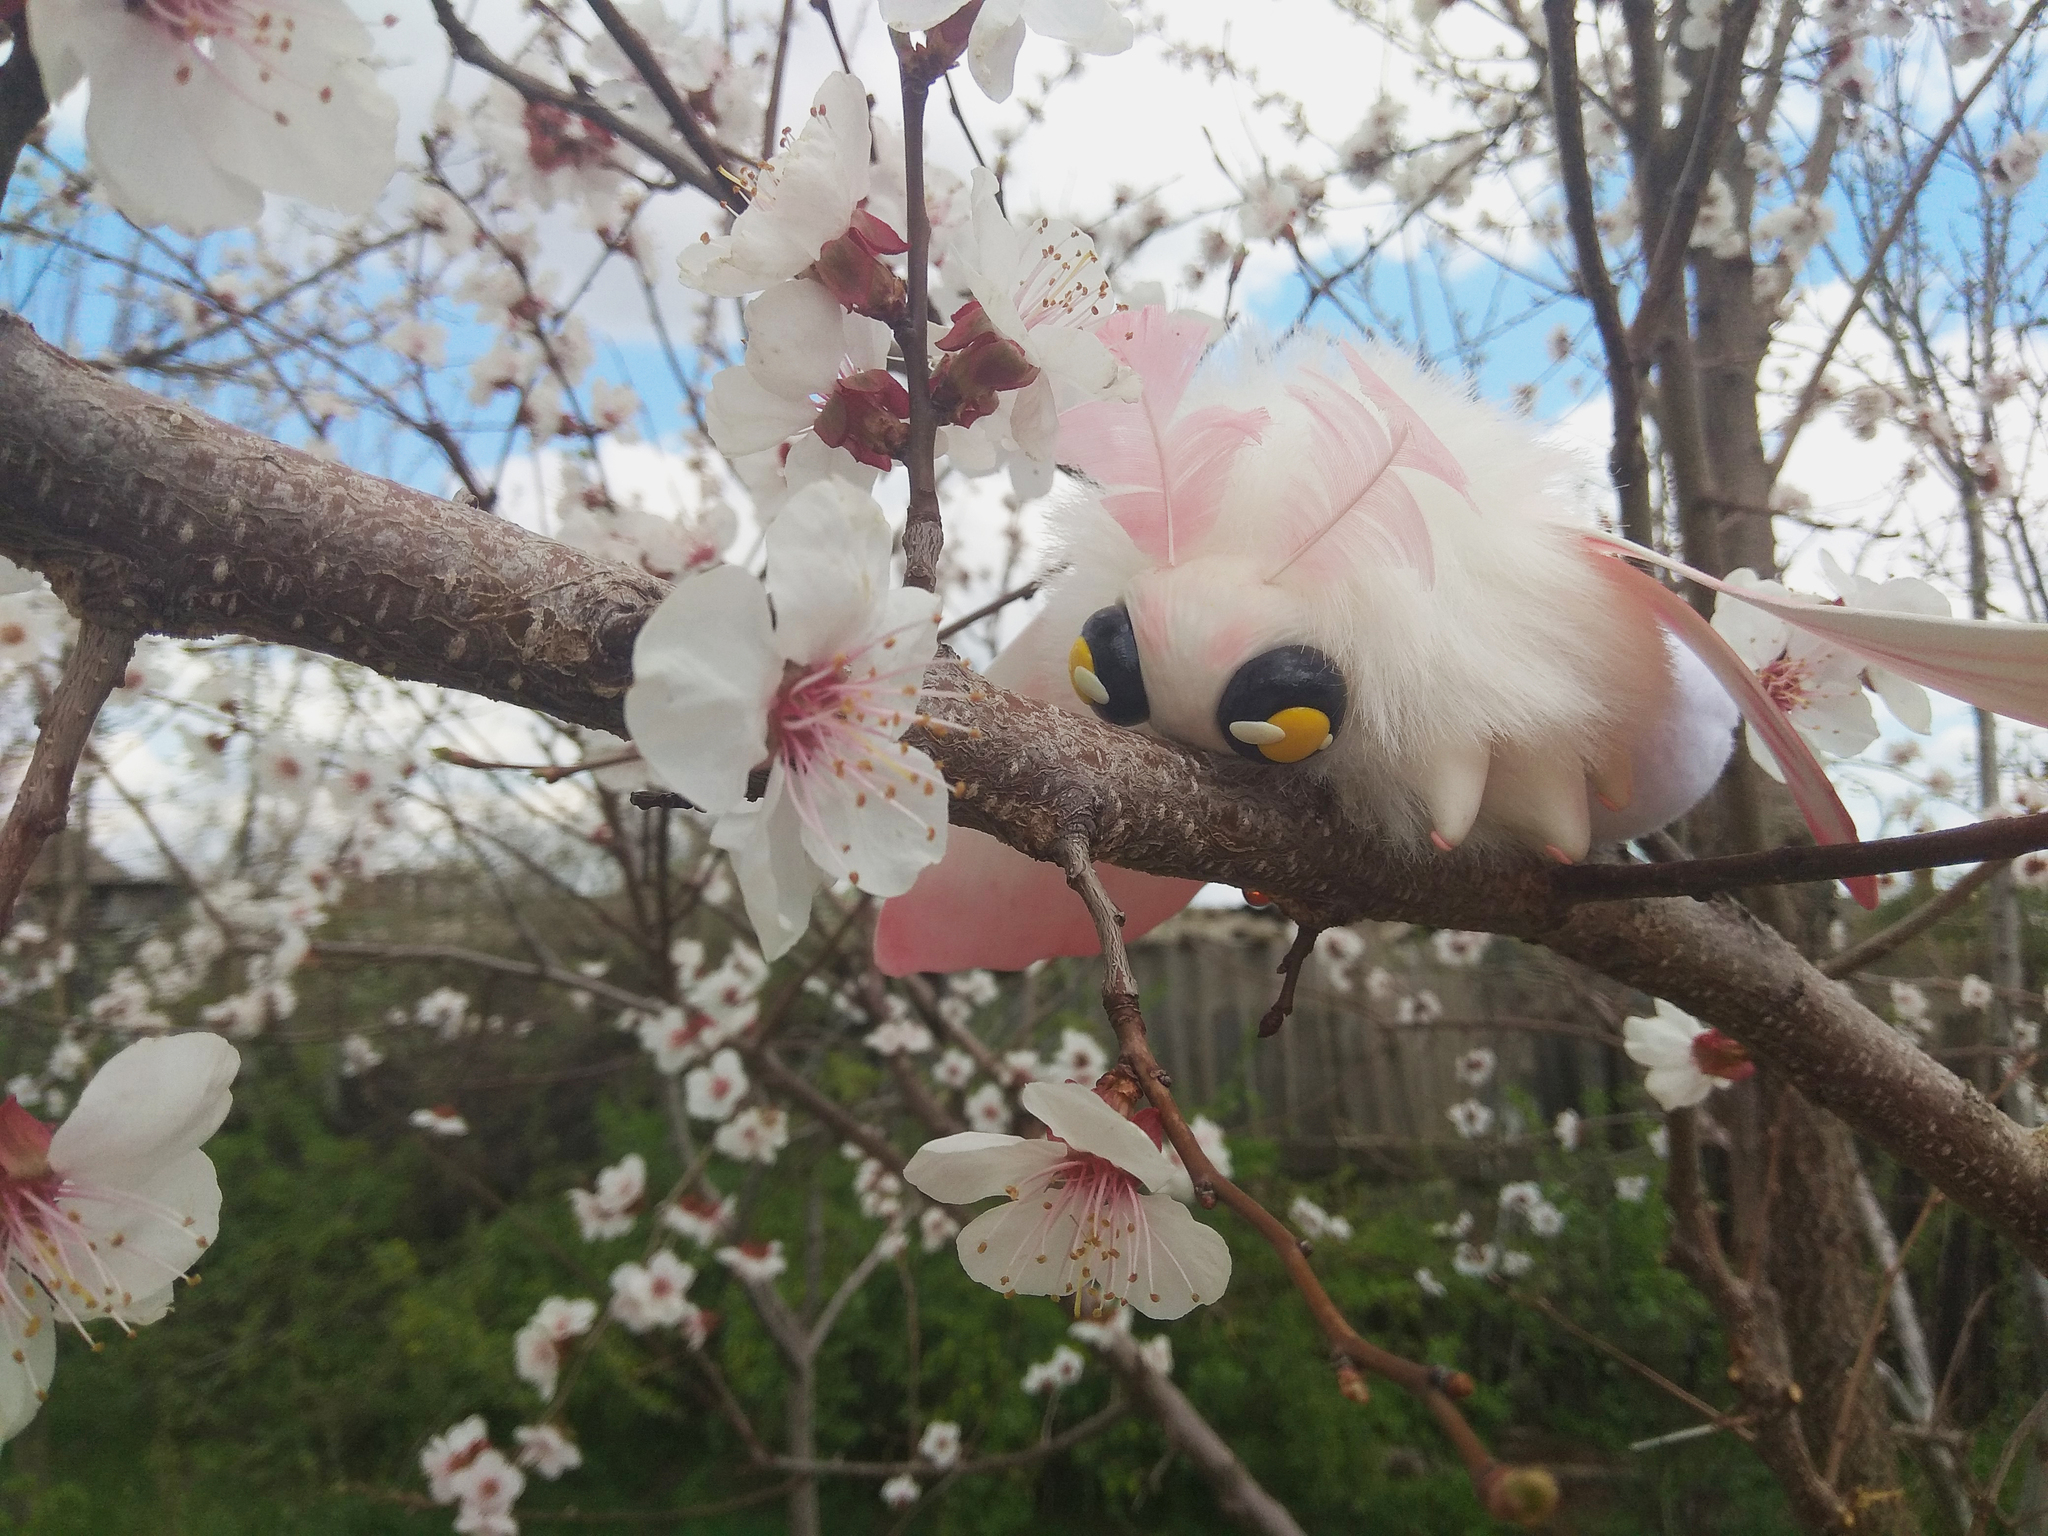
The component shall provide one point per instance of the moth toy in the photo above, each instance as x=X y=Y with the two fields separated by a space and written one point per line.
x=1327 y=562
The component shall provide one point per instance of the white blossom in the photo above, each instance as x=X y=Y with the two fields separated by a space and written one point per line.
x=653 y=1295
x=196 y=110
x=755 y=1263
x=1087 y=26
x=539 y=1346
x=829 y=674
x=1076 y=1219
x=1470 y=1118
x=1686 y=1060
x=1475 y=1068
x=714 y=1091
x=940 y=1444
x=1818 y=686
x=100 y=1217
x=1630 y=1188
x=1431 y=1286
x=545 y=1450
x=2014 y=163
x=754 y=1135
x=610 y=1209
x=1056 y=1374
x=901 y=1491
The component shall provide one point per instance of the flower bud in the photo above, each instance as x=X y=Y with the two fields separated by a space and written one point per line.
x=867 y=414
x=1718 y=1056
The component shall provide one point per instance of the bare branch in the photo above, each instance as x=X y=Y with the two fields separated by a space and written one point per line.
x=1237 y=1491
x=648 y=67
x=94 y=668
x=2002 y=839
x=1628 y=465
x=1913 y=924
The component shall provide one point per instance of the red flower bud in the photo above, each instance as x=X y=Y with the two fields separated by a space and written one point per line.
x=867 y=414
x=850 y=272
x=1718 y=1056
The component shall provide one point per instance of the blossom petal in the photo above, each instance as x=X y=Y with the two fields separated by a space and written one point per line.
x=151 y=1232
x=704 y=671
x=776 y=877
x=828 y=567
x=992 y=49
x=744 y=415
x=1072 y=1112
x=972 y=1165
x=796 y=338
x=28 y=1354
x=1020 y=1247
x=881 y=822
x=150 y=1105
x=1176 y=1263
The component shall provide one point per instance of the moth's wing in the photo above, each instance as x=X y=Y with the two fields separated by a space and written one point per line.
x=1676 y=756
x=1999 y=666
x=985 y=906
x=1826 y=816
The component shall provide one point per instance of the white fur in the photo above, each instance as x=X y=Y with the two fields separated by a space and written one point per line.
x=1518 y=645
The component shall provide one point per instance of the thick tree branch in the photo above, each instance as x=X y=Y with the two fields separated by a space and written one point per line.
x=94 y=668
x=155 y=518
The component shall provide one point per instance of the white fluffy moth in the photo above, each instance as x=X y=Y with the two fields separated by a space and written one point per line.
x=1324 y=561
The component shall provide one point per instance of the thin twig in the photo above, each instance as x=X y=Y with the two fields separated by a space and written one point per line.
x=924 y=532
x=2022 y=1432
x=2004 y=838
x=1289 y=971
x=94 y=668
x=648 y=67
x=1908 y=928
x=1852 y=1388
x=1628 y=465
x=1666 y=272
x=993 y=605
x=453 y=954
x=1520 y=1493
x=1649 y=1373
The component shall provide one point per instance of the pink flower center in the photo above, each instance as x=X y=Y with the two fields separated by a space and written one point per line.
x=1064 y=286
x=1718 y=1056
x=1788 y=682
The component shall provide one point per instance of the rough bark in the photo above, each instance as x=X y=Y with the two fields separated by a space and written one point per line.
x=153 y=516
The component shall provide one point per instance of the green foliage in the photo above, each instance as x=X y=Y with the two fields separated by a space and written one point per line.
x=366 y=1289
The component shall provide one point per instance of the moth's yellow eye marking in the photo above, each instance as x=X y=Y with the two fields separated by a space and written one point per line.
x=1297 y=733
x=1081 y=671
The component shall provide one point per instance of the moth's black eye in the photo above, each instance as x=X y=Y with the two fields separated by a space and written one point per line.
x=1283 y=706
x=1103 y=667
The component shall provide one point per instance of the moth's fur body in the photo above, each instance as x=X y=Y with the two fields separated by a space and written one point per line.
x=1494 y=669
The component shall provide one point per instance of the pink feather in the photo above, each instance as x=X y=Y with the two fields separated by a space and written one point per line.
x=1350 y=464
x=986 y=906
x=1163 y=479
x=1811 y=789
x=1420 y=448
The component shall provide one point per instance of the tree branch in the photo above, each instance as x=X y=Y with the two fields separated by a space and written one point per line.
x=1908 y=928
x=642 y=58
x=1628 y=465
x=94 y=668
x=152 y=517
x=1999 y=840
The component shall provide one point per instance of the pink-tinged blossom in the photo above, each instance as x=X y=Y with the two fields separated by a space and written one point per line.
x=1056 y=1374
x=1474 y=1068
x=714 y=1090
x=2016 y=162
x=1817 y=686
x=1459 y=950
x=1974 y=992
x=609 y=1210
x=987 y=1108
x=811 y=369
x=539 y=1347
x=1087 y=26
x=102 y=1216
x=449 y=1454
x=1470 y=1118
x=700 y=1218
x=940 y=1444
x=1475 y=1261
x=935 y=1229
x=485 y=1492
x=899 y=1037
x=756 y=1263
x=1076 y=1217
x=954 y=1068
x=901 y=1491
x=754 y=1135
x=1080 y=1058
x=199 y=107
x=817 y=675
x=546 y=1451
x=1686 y=1060
x=804 y=199
x=1315 y=1223
x=439 y=1120
x=652 y=1295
